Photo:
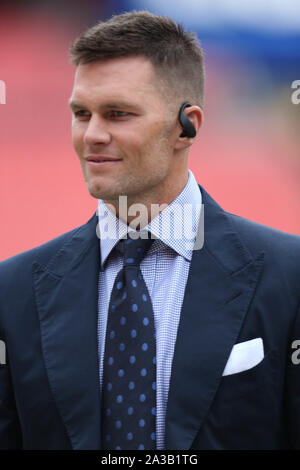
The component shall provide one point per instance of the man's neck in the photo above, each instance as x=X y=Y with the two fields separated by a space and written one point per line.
x=138 y=212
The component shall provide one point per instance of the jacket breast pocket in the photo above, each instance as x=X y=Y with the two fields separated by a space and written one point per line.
x=245 y=412
x=6 y=396
x=248 y=381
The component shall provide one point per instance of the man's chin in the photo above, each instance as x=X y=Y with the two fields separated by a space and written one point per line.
x=101 y=193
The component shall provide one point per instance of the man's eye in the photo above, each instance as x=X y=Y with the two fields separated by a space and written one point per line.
x=118 y=114
x=80 y=113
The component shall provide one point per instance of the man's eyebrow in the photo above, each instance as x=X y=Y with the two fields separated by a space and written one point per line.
x=74 y=104
x=110 y=105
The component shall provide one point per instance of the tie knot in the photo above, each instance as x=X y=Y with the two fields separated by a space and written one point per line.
x=134 y=251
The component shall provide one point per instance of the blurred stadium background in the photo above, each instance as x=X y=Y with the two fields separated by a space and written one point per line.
x=247 y=155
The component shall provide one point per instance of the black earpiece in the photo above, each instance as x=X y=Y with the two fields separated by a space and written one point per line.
x=187 y=126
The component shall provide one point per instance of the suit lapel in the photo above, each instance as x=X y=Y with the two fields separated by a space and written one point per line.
x=66 y=296
x=220 y=286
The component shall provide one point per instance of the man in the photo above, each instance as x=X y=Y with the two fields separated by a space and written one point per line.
x=222 y=370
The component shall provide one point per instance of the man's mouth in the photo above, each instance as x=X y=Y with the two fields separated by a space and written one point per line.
x=97 y=160
x=101 y=158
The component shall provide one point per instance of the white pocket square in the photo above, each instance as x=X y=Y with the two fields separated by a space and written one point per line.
x=244 y=356
x=2 y=352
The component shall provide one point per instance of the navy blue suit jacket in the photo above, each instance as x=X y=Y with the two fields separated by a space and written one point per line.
x=243 y=284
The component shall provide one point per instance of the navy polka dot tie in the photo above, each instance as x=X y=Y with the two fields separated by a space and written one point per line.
x=129 y=368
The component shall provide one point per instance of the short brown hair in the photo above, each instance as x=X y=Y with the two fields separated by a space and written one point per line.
x=175 y=54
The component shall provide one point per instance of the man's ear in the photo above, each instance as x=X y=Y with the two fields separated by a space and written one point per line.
x=195 y=115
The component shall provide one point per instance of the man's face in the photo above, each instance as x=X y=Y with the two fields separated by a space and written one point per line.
x=121 y=115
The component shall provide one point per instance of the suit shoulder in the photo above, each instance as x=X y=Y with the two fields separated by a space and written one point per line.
x=281 y=249
x=264 y=237
x=42 y=253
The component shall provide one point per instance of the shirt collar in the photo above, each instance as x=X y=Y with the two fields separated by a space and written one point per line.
x=176 y=225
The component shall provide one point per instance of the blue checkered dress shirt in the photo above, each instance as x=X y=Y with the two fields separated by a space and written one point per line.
x=165 y=270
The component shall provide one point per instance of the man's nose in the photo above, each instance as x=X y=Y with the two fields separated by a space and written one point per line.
x=96 y=131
